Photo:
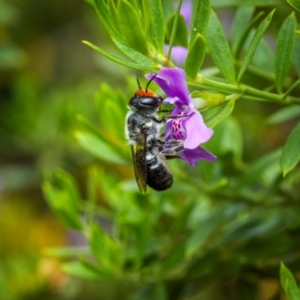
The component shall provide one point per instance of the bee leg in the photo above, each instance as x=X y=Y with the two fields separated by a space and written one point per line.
x=173 y=150
x=175 y=117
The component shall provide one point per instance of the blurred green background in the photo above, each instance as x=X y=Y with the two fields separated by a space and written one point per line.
x=47 y=78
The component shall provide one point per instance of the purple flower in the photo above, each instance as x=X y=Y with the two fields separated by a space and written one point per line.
x=190 y=130
x=178 y=54
x=186 y=11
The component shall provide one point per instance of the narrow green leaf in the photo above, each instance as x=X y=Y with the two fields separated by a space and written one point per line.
x=241 y=19
x=97 y=242
x=106 y=19
x=132 y=30
x=289 y=283
x=264 y=57
x=62 y=196
x=238 y=47
x=212 y=99
x=284 y=114
x=297 y=54
x=200 y=19
x=291 y=151
x=258 y=168
x=85 y=270
x=290 y=89
x=181 y=35
x=254 y=43
x=99 y=148
x=175 y=258
x=195 y=56
x=231 y=140
x=201 y=234
x=121 y=61
x=67 y=252
x=221 y=115
x=144 y=7
x=157 y=24
x=174 y=28
x=219 y=48
x=104 y=248
x=90 y=127
x=134 y=55
x=114 y=14
x=284 y=50
x=225 y=3
x=295 y=4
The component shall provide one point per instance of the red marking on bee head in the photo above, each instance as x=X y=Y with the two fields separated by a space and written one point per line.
x=145 y=93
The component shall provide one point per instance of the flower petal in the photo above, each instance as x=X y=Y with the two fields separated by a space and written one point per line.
x=169 y=131
x=172 y=82
x=186 y=12
x=192 y=156
x=196 y=131
x=178 y=54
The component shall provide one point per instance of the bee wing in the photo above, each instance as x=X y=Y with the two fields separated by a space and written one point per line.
x=138 y=152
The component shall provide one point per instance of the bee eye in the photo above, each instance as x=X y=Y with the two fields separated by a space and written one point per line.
x=149 y=101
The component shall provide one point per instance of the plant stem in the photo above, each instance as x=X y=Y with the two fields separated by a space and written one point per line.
x=255 y=94
x=174 y=29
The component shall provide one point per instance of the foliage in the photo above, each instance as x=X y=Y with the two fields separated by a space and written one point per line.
x=223 y=226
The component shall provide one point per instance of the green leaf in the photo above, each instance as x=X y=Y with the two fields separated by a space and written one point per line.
x=63 y=197
x=290 y=89
x=181 y=35
x=157 y=24
x=212 y=99
x=99 y=148
x=201 y=19
x=106 y=19
x=225 y=3
x=238 y=47
x=259 y=168
x=295 y=4
x=264 y=57
x=103 y=132
x=221 y=115
x=66 y=252
x=195 y=56
x=231 y=140
x=254 y=43
x=201 y=234
x=113 y=14
x=175 y=258
x=219 y=48
x=289 y=283
x=135 y=56
x=148 y=63
x=291 y=151
x=174 y=28
x=284 y=50
x=104 y=248
x=284 y=114
x=297 y=54
x=131 y=26
x=85 y=270
x=241 y=20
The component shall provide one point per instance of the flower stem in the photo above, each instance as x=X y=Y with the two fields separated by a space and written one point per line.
x=250 y=92
x=174 y=29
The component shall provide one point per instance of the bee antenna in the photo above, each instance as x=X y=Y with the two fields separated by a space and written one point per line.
x=137 y=80
x=150 y=81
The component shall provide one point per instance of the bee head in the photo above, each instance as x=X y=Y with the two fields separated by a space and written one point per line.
x=145 y=101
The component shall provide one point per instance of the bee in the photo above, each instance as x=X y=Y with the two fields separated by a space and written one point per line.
x=143 y=133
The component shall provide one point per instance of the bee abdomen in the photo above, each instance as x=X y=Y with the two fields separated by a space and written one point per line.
x=159 y=178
